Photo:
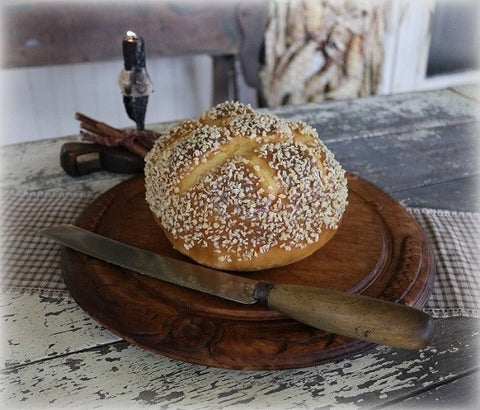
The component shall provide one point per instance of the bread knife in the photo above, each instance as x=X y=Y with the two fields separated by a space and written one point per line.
x=351 y=315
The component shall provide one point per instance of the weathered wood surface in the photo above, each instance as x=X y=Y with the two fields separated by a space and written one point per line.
x=118 y=375
x=415 y=146
x=420 y=147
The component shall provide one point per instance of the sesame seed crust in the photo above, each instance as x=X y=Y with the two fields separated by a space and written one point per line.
x=240 y=190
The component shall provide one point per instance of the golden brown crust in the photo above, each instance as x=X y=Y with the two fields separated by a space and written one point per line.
x=239 y=190
x=276 y=256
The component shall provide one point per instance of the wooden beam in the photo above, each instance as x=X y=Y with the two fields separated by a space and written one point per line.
x=64 y=33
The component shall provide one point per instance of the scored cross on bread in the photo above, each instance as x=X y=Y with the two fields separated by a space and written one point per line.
x=240 y=190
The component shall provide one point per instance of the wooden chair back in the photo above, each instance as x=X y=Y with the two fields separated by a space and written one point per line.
x=65 y=33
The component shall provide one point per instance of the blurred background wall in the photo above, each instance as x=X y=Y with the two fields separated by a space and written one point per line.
x=400 y=45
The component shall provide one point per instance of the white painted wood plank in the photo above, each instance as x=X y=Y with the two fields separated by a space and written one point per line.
x=123 y=376
x=182 y=87
x=163 y=100
x=449 y=80
x=108 y=105
x=390 y=44
x=18 y=114
x=62 y=103
x=40 y=82
x=37 y=327
x=40 y=170
x=199 y=71
x=407 y=39
x=84 y=92
x=446 y=395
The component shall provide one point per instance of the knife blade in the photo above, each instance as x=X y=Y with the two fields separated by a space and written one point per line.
x=351 y=315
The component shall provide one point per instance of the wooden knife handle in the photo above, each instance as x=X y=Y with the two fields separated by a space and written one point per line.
x=78 y=158
x=355 y=316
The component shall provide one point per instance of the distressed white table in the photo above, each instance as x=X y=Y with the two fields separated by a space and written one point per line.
x=419 y=147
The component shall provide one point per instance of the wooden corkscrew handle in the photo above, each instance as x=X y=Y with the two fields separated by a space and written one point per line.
x=108 y=148
x=79 y=158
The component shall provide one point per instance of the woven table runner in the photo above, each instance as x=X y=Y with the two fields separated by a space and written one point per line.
x=31 y=263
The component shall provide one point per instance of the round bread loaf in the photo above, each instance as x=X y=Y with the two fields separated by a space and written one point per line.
x=239 y=190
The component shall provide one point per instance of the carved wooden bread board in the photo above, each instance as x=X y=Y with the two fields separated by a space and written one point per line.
x=379 y=250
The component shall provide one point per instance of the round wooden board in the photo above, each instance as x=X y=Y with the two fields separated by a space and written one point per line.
x=379 y=250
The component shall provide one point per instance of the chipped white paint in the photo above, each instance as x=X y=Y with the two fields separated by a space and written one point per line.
x=36 y=327
x=84 y=367
x=124 y=376
x=40 y=168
